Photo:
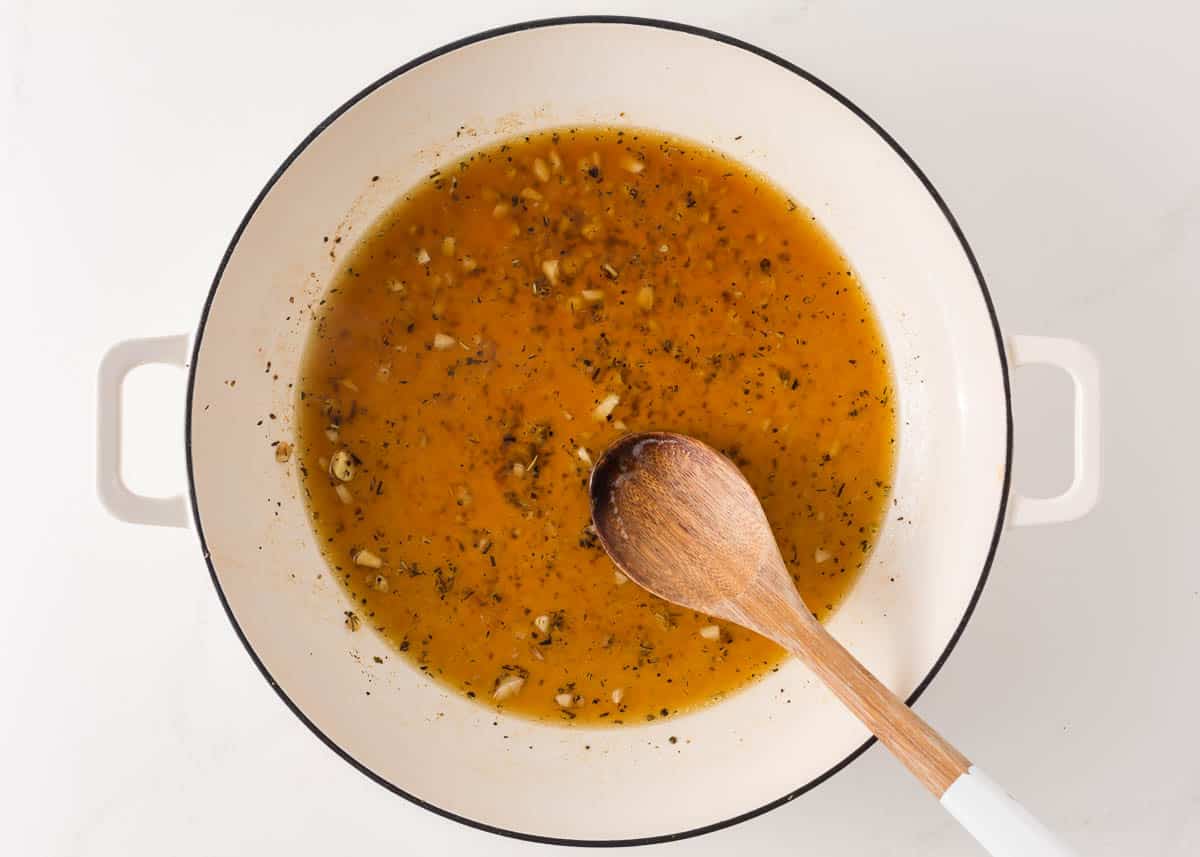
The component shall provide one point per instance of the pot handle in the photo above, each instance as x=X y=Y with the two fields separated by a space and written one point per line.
x=121 y=502
x=1081 y=496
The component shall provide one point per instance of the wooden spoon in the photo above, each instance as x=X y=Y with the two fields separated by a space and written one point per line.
x=680 y=519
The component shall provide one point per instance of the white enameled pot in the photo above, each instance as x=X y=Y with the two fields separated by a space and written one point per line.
x=778 y=738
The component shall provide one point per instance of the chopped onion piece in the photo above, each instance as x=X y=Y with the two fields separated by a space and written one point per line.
x=565 y=700
x=710 y=632
x=821 y=555
x=443 y=342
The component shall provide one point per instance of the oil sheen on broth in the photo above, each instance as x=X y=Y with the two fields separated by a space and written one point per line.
x=498 y=328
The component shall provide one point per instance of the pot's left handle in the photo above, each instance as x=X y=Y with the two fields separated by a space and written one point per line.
x=116 y=496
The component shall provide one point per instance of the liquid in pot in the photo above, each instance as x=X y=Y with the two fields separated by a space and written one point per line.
x=502 y=324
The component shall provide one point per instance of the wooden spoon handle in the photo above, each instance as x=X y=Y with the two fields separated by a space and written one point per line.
x=929 y=756
x=988 y=813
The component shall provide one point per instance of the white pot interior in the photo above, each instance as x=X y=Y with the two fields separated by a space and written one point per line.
x=576 y=783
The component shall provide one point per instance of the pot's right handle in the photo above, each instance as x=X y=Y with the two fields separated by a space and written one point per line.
x=123 y=503
x=1079 y=362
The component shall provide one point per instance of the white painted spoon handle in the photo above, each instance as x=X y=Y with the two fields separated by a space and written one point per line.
x=997 y=821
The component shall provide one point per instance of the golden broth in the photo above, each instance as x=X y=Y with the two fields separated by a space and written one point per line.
x=498 y=328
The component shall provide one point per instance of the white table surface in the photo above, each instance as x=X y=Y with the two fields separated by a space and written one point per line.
x=134 y=136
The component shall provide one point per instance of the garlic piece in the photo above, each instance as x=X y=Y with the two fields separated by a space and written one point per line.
x=565 y=700
x=443 y=342
x=584 y=455
x=422 y=256
x=398 y=286
x=542 y=623
x=618 y=695
x=710 y=632
x=607 y=405
x=541 y=170
x=367 y=559
x=343 y=493
x=822 y=555
x=550 y=269
x=592 y=296
x=508 y=687
x=342 y=465
x=645 y=298
x=619 y=578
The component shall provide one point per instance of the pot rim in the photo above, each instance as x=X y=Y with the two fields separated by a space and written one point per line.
x=641 y=22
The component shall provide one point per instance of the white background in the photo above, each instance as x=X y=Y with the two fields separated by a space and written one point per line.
x=133 y=136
